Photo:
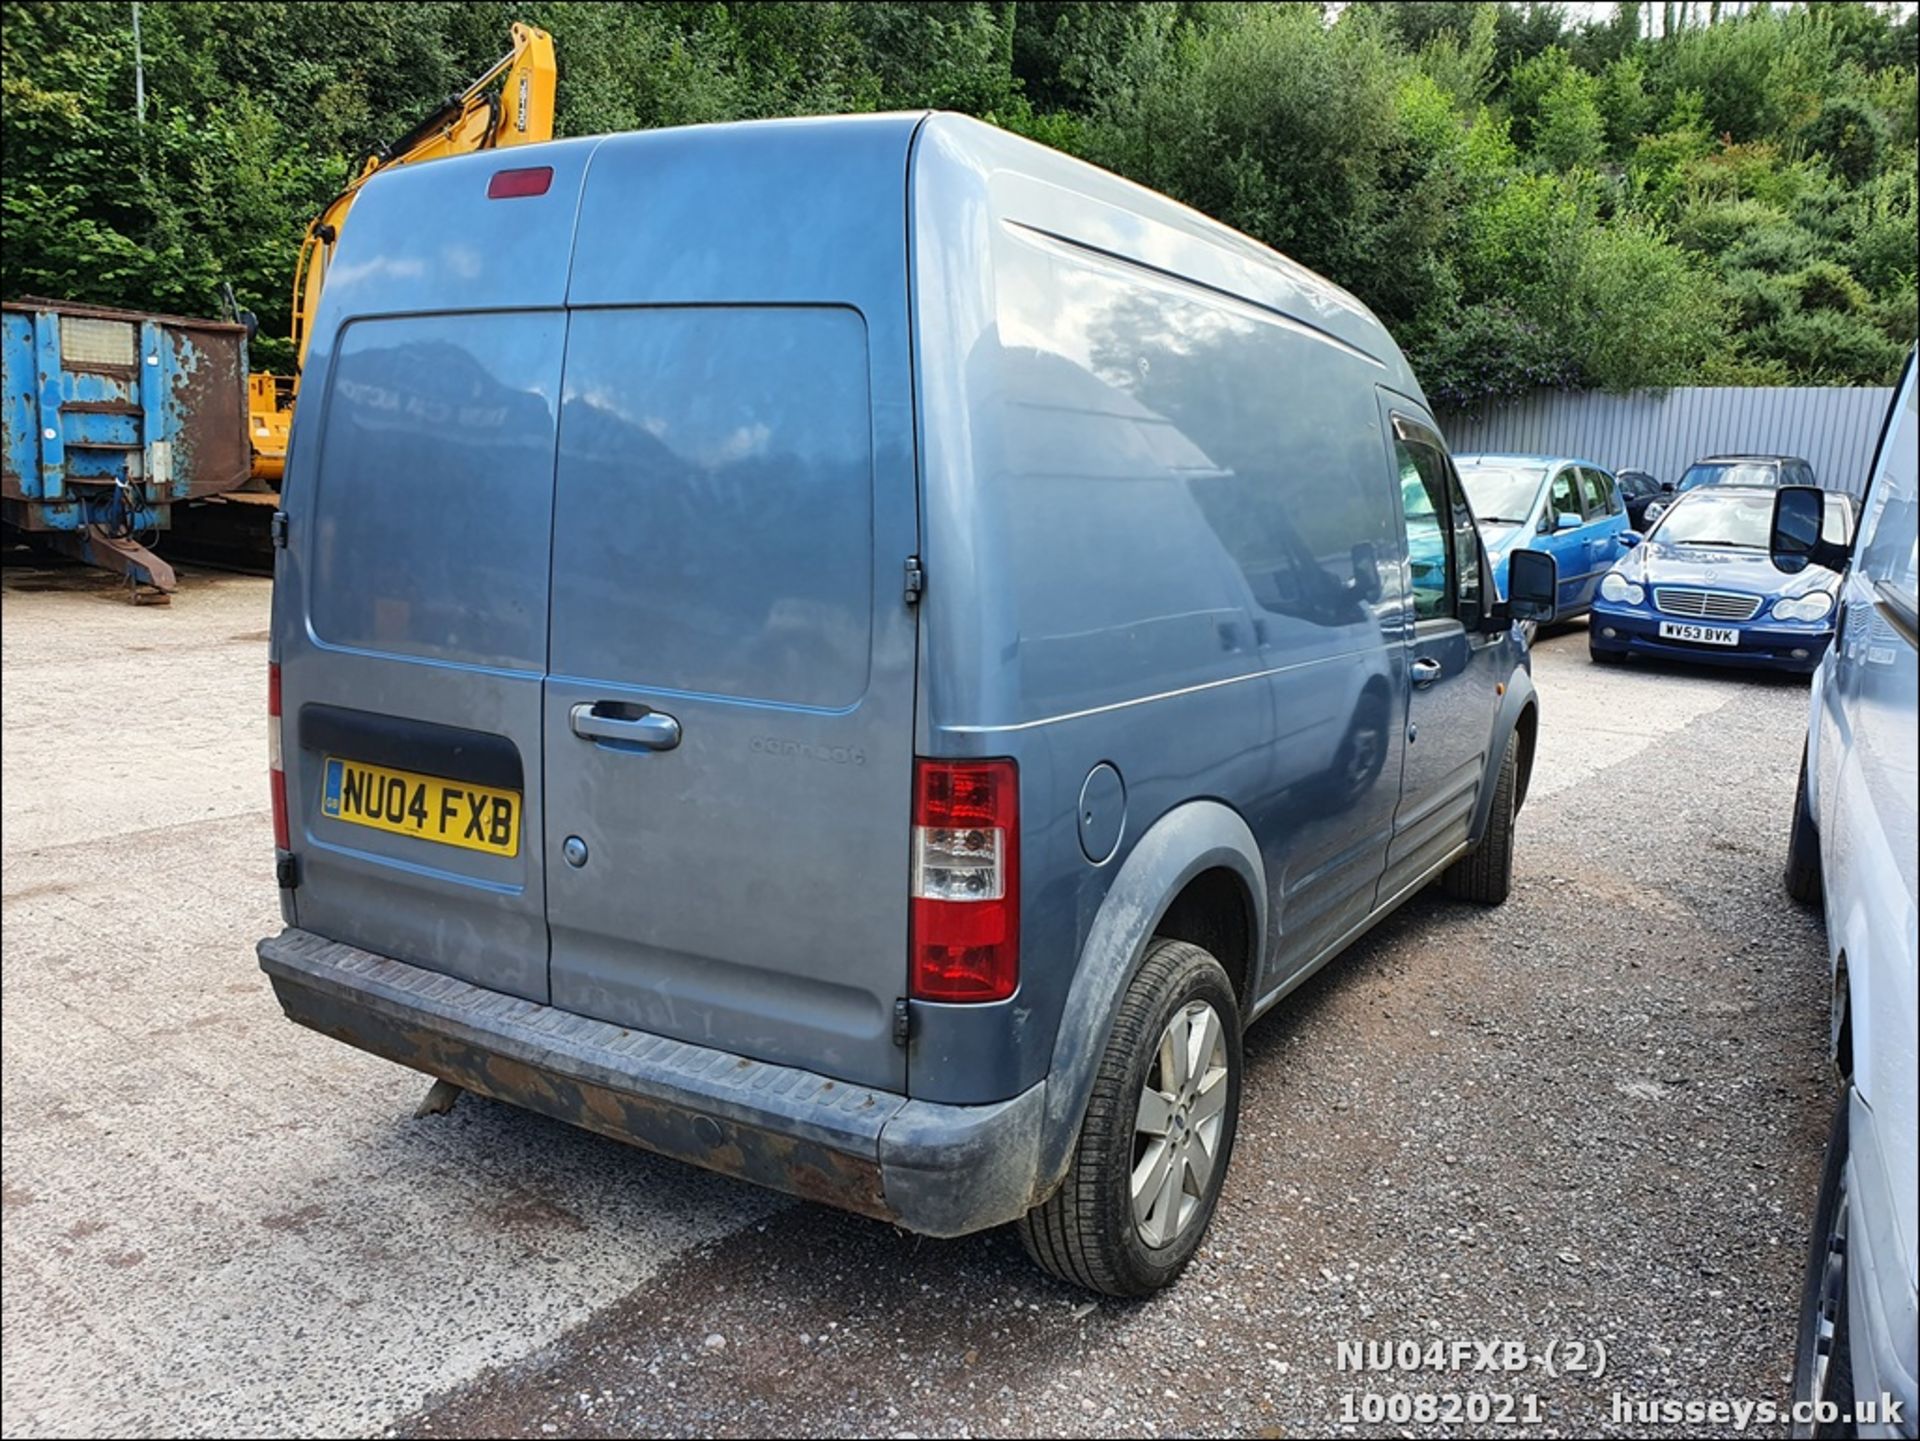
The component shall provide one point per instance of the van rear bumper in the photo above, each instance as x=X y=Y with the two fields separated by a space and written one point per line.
x=934 y=1169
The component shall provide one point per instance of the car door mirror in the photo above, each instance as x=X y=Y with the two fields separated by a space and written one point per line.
x=1799 y=515
x=1366 y=572
x=1567 y=520
x=1629 y=539
x=1533 y=585
x=1666 y=487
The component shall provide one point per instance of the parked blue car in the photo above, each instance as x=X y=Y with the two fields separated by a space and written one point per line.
x=1702 y=588
x=1572 y=509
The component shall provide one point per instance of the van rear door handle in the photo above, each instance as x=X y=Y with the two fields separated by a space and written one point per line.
x=1425 y=672
x=613 y=720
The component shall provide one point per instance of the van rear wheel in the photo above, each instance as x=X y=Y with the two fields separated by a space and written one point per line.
x=1158 y=1134
x=1485 y=873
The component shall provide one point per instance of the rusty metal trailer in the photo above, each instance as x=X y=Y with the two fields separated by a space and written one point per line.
x=113 y=417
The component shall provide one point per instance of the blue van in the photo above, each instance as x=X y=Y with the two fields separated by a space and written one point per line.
x=860 y=654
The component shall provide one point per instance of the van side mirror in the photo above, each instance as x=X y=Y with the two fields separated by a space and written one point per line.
x=1533 y=584
x=1799 y=514
x=1366 y=572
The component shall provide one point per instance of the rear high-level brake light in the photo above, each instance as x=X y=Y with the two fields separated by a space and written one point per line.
x=511 y=184
x=966 y=880
x=276 y=773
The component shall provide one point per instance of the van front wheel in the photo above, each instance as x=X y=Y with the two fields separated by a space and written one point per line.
x=1158 y=1134
x=1485 y=873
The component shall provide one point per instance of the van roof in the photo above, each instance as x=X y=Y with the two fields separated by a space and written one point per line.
x=1160 y=234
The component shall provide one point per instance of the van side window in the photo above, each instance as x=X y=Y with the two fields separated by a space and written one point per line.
x=1423 y=497
x=1466 y=548
x=1889 y=546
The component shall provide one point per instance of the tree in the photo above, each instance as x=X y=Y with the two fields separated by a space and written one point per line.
x=1521 y=201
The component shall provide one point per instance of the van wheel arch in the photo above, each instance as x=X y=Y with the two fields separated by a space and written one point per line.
x=1214 y=911
x=1168 y=879
x=1840 y=1022
x=1527 y=727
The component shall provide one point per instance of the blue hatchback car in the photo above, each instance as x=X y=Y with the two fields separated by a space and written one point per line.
x=1702 y=588
x=1569 y=508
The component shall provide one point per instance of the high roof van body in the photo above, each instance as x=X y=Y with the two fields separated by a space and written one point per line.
x=861 y=653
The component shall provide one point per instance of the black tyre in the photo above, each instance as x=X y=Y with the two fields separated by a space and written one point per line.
x=1485 y=873
x=1823 y=1360
x=1158 y=1134
x=1803 y=847
x=1605 y=657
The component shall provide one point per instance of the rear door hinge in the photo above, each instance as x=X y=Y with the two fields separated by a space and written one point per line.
x=279 y=529
x=902 y=1022
x=916 y=580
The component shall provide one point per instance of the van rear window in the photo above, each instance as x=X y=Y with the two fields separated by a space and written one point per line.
x=713 y=520
x=435 y=488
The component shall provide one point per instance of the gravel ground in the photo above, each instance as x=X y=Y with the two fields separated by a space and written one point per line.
x=1593 y=1115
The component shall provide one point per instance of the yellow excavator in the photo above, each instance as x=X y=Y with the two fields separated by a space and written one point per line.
x=510 y=104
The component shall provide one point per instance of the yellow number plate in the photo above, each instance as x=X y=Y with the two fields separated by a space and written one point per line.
x=453 y=813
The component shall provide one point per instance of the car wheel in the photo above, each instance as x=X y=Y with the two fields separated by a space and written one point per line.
x=1605 y=657
x=1485 y=873
x=1823 y=1360
x=1158 y=1134
x=1803 y=846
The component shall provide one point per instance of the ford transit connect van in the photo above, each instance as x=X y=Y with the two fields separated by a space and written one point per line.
x=860 y=654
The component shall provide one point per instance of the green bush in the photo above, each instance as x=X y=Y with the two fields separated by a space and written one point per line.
x=1522 y=202
x=1825 y=347
x=1850 y=134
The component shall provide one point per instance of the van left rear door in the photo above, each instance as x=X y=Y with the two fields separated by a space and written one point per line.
x=410 y=605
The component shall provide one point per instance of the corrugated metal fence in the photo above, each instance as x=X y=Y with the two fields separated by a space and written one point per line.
x=1662 y=431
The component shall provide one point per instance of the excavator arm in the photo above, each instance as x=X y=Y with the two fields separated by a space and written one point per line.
x=518 y=111
x=510 y=104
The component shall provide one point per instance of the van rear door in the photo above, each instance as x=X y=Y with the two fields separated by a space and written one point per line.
x=729 y=713
x=410 y=619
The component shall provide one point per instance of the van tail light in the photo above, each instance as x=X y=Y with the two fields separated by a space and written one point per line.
x=276 y=772
x=966 y=880
x=512 y=184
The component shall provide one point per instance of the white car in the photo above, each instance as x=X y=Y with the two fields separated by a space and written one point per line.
x=1854 y=841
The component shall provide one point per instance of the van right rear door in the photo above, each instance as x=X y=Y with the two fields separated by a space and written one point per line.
x=729 y=709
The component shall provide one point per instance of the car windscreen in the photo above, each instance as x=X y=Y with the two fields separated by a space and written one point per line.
x=1740 y=472
x=1744 y=521
x=1502 y=494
